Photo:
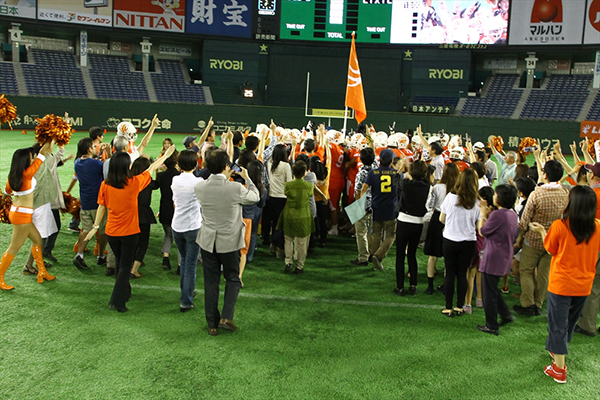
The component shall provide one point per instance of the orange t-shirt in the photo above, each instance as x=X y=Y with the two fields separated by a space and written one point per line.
x=319 y=151
x=573 y=265
x=122 y=205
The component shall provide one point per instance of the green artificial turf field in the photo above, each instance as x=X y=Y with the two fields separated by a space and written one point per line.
x=335 y=332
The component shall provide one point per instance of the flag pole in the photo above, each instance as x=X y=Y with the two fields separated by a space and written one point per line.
x=346 y=107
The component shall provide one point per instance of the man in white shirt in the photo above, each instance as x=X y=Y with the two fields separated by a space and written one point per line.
x=508 y=165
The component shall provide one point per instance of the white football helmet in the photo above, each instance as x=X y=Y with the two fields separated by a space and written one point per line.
x=433 y=138
x=403 y=140
x=457 y=153
x=127 y=130
x=260 y=128
x=335 y=137
x=380 y=139
x=359 y=141
x=454 y=142
x=445 y=139
x=392 y=141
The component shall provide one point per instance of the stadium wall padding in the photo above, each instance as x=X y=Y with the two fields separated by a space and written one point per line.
x=191 y=118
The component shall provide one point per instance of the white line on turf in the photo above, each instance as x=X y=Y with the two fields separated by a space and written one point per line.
x=268 y=296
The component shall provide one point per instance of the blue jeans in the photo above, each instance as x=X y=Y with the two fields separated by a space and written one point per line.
x=255 y=221
x=189 y=249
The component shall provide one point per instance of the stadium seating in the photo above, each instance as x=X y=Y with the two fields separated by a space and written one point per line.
x=113 y=79
x=170 y=85
x=562 y=99
x=594 y=114
x=500 y=100
x=8 y=82
x=54 y=74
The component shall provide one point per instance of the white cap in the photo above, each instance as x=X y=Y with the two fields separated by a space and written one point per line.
x=478 y=145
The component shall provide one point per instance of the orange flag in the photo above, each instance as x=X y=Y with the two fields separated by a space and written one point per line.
x=355 y=97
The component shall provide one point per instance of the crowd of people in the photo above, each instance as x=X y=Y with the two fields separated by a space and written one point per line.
x=536 y=223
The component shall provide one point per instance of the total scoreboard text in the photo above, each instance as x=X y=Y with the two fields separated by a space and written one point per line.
x=396 y=21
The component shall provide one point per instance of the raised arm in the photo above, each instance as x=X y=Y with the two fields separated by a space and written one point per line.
x=148 y=135
x=159 y=161
x=585 y=144
x=537 y=154
x=229 y=138
x=558 y=156
x=424 y=141
x=204 y=135
x=576 y=158
x=472 y=157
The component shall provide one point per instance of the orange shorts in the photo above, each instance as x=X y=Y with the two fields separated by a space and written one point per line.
x=247 y=235
x=20 y=215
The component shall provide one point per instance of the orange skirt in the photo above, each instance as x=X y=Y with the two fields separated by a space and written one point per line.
x=247 y=235
x=20 y=215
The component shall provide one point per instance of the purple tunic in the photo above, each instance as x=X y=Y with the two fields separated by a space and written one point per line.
x=499 y=232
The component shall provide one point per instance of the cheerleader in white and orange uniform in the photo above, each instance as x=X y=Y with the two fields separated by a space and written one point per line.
x=20 y=185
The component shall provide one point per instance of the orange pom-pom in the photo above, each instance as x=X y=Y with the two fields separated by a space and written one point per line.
x=8 y=111
x=72 y=205
x=54 y=128
x=5 y=209
x=497 y=142
x=591 y=148
x=527 y=142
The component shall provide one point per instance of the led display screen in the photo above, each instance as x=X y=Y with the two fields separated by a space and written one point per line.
x=396 y=21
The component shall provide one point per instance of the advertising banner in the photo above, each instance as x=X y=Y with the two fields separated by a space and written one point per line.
x=592 y=23
x=17 y=8
x=500 y=63
x=560 y=65
x=546 y=22
x=231 y=18
x=156 y=15
x=590 y=129
x=175 y=50
x=87 y=12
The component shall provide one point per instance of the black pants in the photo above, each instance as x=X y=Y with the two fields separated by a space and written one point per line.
x=124 y=249
x=142 y=246
x=322 y=213
x=457 y=256
x=407 y=235
x=563 y=313
x=493 y=303
x=212 y=278
x=271 y=213
x=51 y=240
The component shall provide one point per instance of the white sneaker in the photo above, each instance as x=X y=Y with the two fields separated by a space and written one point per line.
x=333 y=232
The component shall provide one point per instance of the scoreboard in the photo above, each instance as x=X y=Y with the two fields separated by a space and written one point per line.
x=396 y=21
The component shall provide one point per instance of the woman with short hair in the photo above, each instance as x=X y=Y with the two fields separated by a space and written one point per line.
x=185 y=225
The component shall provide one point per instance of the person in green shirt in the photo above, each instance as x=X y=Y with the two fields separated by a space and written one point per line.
x=296 y=220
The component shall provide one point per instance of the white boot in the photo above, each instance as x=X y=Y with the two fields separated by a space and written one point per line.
x=333 y=231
